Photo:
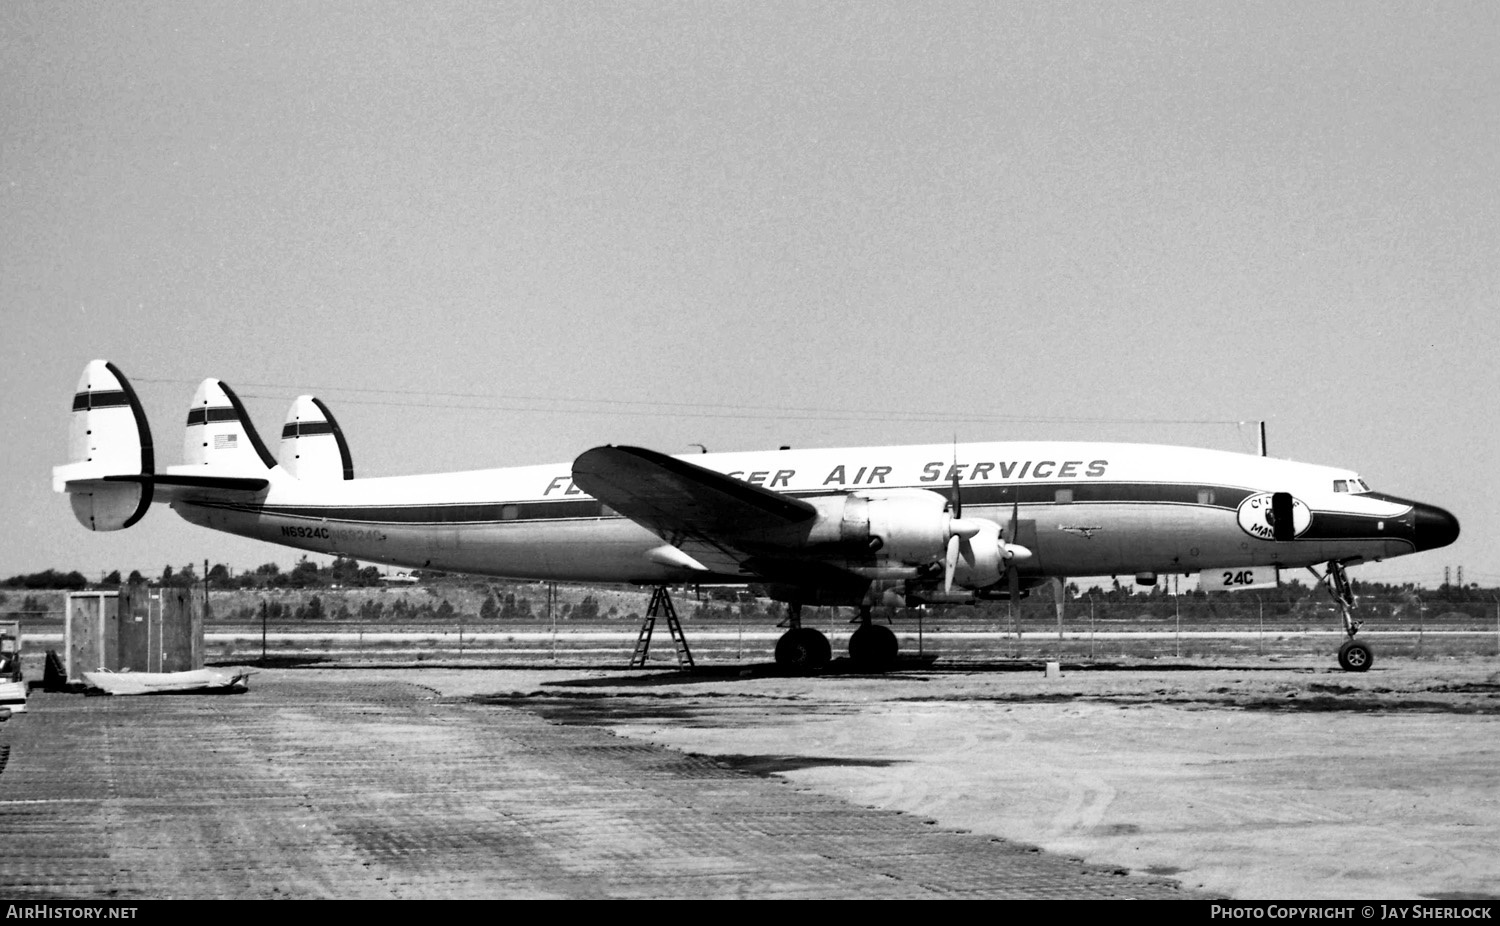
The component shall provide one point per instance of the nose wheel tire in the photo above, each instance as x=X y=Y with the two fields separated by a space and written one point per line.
x=1355 y=656
x=803 y=648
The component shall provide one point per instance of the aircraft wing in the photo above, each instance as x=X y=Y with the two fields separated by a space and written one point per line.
x=728 y=525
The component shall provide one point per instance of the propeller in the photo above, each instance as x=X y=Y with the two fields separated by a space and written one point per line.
x=1010 y=551
x=962 y=530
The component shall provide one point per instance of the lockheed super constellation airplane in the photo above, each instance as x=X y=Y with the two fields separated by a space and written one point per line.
x=858 y=527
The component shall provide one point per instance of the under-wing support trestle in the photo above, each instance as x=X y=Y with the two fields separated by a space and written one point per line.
x=661 y=605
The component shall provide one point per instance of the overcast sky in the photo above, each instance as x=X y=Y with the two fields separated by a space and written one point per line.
x=502 y=233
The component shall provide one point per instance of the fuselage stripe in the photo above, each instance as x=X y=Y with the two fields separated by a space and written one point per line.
x=1219 y=497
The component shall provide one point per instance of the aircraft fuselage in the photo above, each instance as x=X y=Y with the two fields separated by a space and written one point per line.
x=1082 y=509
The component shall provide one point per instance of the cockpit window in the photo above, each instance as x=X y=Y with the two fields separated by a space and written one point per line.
x=1350 y=485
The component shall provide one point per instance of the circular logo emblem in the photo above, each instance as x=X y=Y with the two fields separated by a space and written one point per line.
x=1259 y=521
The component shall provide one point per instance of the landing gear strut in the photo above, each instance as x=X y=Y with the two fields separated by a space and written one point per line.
x=1354 y=655
x=872 y=646
x=801 y=648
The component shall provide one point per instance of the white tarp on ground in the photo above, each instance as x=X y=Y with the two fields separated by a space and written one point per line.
x=13 y=696
x=131 y=683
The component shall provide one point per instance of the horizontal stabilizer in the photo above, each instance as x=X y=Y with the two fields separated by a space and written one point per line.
x=181 y=481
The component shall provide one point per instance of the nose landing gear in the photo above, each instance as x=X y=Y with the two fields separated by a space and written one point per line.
x=1354 y=655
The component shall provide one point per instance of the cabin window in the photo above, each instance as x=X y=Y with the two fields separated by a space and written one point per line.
x=509 y=512
x=1063 y=496
x=1205 y=496
x=1340 y=485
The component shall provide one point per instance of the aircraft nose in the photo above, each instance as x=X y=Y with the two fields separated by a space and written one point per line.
x=1434 y=527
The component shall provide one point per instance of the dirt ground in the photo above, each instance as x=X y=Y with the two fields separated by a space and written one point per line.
x=1287 y=780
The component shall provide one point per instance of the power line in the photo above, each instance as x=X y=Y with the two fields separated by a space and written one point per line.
x=569 y=405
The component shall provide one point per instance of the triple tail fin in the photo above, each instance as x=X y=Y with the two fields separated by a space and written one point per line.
x=111 y=479
x=112 y=459
x=312 y=443
x=220 y=435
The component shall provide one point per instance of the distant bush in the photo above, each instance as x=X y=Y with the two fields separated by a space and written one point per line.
x=51 y=578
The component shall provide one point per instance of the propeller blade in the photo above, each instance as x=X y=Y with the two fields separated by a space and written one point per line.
x=1013 y=575
x=950 y=562
x=956 y=497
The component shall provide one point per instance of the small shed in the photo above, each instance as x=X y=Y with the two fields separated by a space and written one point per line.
x=139 y=628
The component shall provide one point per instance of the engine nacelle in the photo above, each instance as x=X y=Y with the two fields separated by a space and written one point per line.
x=908 y=529
x=903 y=534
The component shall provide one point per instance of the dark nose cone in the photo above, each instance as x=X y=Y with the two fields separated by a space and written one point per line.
x=1435 y=527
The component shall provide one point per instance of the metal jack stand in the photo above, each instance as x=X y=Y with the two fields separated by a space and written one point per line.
x=661 y=604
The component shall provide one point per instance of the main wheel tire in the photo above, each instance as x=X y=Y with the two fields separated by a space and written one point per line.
x=873 y=646
x=1355 y=656
x=803 y=648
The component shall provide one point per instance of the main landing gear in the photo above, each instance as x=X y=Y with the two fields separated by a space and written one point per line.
x=801 y=648
x=1354 y=655
x=871 y=646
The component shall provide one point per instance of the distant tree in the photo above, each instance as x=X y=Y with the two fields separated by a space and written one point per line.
x=166 y=576
x=219 y=577
x=135 y=577
x=587 y=610
x=267 y=569
x=311 y=611
x=489 y=609
x=445 y=611
x=50 y=578
x=344 y=570
x=305 y=574
x=112 y=579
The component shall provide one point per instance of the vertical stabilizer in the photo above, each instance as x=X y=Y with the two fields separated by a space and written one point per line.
x=111 y=458
x=312 y=443
x=220 y=434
